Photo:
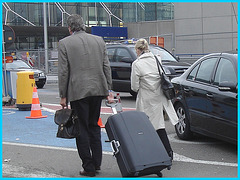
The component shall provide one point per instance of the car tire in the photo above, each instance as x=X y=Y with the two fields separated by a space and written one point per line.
x=183 y=127
x=40 y=85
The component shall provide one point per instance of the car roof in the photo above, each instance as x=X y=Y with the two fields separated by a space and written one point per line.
x=120 y=44
x=131 y=45
x=230 y=55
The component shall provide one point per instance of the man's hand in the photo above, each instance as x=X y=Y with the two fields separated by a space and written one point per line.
x=110 y=97
x=63 y=102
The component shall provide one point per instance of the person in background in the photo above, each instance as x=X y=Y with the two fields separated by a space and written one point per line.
x=145 y=80
x=84 y=77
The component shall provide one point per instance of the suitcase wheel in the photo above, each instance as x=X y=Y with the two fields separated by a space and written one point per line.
x=159 y=174
x=169 y=167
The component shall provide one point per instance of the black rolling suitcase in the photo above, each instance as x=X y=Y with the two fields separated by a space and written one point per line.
x=136 y=145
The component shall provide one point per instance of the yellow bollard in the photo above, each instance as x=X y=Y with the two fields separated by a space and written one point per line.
x=25 y=84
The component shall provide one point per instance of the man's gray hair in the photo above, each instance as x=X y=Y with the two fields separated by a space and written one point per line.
x=75 y=22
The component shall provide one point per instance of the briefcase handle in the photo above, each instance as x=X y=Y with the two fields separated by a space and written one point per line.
x=112 y=105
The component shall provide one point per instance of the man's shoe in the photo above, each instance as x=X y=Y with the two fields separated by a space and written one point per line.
x=85 y=173
x=97 y=168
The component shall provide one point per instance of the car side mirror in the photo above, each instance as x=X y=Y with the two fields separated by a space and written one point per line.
x=227 y=86
x=177 y=58
x=126 y=60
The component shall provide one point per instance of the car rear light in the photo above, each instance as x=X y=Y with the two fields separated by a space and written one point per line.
x=31 y=76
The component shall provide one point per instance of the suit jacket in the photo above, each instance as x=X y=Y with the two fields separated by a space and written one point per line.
x=83 y=67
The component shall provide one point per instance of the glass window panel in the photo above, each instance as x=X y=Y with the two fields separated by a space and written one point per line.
x=206 y=69
x=122 y=53
x=225 y=72
x=111 y=54
x=193 y=73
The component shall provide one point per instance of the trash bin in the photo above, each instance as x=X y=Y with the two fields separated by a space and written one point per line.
x=25 y=84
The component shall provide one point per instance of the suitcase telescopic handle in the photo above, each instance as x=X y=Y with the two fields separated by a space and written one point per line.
x=113 y=104
x=115 y=146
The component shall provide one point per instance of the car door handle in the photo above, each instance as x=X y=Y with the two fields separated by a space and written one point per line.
x=186 y=89
x=209 y=95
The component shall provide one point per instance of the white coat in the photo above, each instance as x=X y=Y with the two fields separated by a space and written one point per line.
x=145 y=80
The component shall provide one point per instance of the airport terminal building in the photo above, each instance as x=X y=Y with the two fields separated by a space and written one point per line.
x=187 y=28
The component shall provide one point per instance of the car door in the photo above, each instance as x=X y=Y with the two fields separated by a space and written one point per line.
x=111 y=57
x=124 y=59
x=120 y=61
x=222 y=105
x=195 y=91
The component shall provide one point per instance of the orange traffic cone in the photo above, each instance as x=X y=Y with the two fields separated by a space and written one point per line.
x=100 y=123
x=36 y=112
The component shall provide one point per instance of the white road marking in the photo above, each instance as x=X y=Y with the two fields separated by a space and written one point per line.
x=173 y=138
x=176 y=156
x=47 y=147
x=53 y=111
x=51 y=104
x=57 y=105
x=48 y=110
x=4 y=112
x=181 y=158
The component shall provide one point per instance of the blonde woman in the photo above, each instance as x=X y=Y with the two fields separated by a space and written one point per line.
x=145 y=80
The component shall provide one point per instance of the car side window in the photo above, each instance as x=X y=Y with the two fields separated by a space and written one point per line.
x=225 y=72
x=193 y=73
x=110 y=52
x=205 y=70
x=122 y=53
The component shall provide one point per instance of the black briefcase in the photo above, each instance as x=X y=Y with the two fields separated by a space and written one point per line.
x=68 y=126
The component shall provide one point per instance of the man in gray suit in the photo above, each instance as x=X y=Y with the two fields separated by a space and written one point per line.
x=84 y=77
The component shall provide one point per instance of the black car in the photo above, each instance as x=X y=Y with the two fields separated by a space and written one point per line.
x=121 y=57
x=207 y=98
x=19 y=65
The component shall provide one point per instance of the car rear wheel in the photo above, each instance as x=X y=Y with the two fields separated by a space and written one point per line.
x=183 y=127
x=40 y=85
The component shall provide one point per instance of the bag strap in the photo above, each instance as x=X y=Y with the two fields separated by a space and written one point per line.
x=67 y=91
x=159 y=64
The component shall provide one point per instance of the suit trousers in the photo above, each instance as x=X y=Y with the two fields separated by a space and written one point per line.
x=89 y=143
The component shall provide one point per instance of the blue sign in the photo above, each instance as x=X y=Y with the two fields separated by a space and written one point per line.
x=110 y=33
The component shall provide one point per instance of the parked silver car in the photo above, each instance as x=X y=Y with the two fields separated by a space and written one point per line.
x=19 y=65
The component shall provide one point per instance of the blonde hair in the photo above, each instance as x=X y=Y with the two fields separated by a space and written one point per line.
x=142 y=45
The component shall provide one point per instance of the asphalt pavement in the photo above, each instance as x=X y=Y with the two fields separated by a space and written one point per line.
x=30 y=148
x=19 y=129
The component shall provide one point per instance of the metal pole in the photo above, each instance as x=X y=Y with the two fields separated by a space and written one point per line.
x=4 y=58
x=136 y=12
x=96 y=14
x=45 y=37
x=49 y=15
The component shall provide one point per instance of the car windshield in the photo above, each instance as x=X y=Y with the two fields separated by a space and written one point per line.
x=165 y=56
x=236 y=56
x=17 y=64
